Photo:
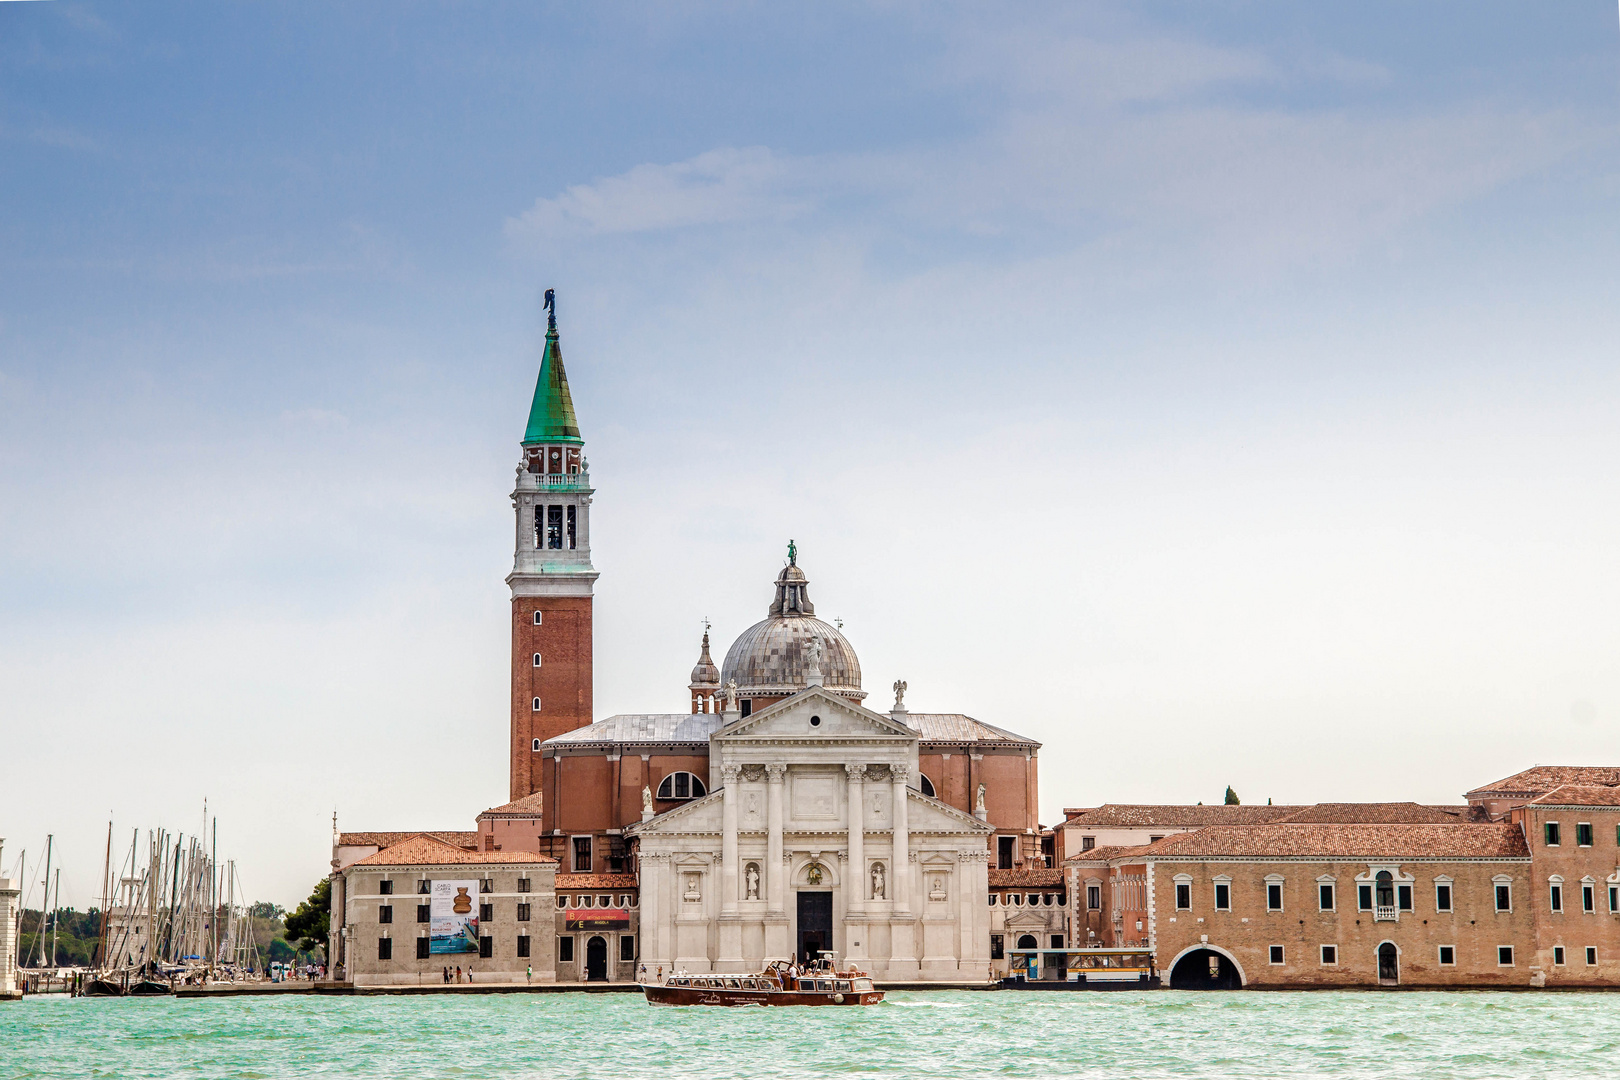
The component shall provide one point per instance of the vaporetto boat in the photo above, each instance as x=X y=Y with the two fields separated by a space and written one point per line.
x=779 y=984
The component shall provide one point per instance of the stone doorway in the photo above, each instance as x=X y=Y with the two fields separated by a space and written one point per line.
x=1389 y=964
x=1205 y=969
x=596 y=959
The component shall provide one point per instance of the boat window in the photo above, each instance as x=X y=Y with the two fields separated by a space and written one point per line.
x=843 y=985
x=863 y=984
x=733 y=984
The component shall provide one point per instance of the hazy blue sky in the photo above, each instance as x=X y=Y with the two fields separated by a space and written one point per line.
x=1218 y=393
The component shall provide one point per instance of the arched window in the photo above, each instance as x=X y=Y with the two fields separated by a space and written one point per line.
x=537 y=618
x=681 y=785
x=537 y=746
x=927 y=785
x=1385 y=885
x=1027 y=941
x=536 y=659
x=536 y=705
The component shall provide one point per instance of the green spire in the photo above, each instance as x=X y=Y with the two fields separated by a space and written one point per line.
x=551 y=417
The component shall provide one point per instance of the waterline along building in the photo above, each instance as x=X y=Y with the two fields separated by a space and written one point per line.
x=778 y=815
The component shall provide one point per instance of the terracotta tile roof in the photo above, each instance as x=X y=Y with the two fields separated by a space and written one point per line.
x=1579 y=795
x=1175 y=815
x=1026 y=879
x=1293 y=840
x=528 y=806
x=1107 y=854
x=468 y=840
x=1543 y=778
x=1390 y=813
x=422 y=849
x=596 y=881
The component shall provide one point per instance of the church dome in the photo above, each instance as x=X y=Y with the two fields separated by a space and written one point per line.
x=776 y=656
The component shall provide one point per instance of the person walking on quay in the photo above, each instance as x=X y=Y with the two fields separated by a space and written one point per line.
x=531 y=974
x=458 y=974
x=447 y=973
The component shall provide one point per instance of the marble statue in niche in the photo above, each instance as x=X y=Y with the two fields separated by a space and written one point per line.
x=877 y=882
x=751 y=881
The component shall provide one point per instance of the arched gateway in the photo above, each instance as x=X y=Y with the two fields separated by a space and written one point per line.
x=1205 y=969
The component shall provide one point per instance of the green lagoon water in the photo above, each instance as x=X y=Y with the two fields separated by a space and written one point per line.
x=927 y=1035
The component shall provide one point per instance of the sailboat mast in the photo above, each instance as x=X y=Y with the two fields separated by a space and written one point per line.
x=56 y=915
x=106 y=901
x=44 y=904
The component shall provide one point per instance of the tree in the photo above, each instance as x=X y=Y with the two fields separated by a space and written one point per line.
x=264 y=909
x=310 y=923
x=1231 y=797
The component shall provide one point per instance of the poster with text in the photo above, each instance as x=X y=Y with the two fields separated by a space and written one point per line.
x=453 y=917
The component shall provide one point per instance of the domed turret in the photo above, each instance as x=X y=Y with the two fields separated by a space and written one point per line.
x=791 y=649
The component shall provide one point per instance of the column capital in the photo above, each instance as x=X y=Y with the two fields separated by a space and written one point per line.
x=730 y=774
x=775 y=773
x=901 y=773
x=856 y=773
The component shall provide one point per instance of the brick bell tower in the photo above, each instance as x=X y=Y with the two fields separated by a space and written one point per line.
x=552 y=578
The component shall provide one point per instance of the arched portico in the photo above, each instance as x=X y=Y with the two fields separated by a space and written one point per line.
x=1193 y=969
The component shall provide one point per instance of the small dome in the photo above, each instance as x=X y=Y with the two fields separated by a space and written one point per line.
x=773 y=657
x=705 y=673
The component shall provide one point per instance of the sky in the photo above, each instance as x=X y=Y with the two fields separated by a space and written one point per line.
x=1219 y=393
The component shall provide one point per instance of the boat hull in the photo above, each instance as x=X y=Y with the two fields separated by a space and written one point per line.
x=658 y=994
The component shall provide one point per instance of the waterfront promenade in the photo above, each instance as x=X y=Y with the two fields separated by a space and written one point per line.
x=933 y=1036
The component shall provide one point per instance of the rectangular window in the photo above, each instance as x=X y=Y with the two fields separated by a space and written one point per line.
x=1583 y=834
x=1004 y=851
x=1614 y=898
x=486 y=947
x=1448 y=955
x=1093 y=897
x=1330 y=954
x=1223 y=896
x=1591 y=956
x=554 y=527
x=1154 y=839
x=1558 y=956
x=997 y=951
x=1057 y=941
x=1087 y=843
x=1504 y=898
x=1403 y=897
x=1588 y=898
x=1274 y=896
x=422 y=945
x=1557 y=897
x=582 y=854
x=486 y=913
x=1276 y=954
x=627 y=947
x=385 y=888
x=1324 y=896
x=523 y=945
x=1442 y=897
x=523 y=913
x=523 y=884
x=385 y=913
x=424 y=913
x=1551 y=828
x=1504 y=956
x=1183 y=897
x=565 y=950
x=571 y=528
x=385 y=948
x=424 y=887
x=1364 y=897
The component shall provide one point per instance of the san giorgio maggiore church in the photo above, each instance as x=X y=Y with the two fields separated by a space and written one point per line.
x=778 y=816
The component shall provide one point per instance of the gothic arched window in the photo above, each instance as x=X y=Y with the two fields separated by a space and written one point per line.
x=681 y=785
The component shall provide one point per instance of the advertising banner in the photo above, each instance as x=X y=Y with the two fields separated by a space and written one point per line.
x=453 y=917
x=596 y=919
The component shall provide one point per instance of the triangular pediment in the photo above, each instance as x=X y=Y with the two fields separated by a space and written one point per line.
x=816 y=713
x=698 y=816
x=925 y=813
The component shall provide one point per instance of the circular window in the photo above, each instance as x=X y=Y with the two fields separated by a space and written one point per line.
x=815 y=721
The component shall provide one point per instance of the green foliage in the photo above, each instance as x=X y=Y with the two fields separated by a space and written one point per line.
x=310 y=923
x=1231 y=797
x=264 y=909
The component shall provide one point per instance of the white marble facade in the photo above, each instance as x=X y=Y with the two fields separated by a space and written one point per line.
x=814 y=805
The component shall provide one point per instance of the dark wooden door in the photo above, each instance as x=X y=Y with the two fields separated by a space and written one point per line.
x=815 y=923
x=596 y=959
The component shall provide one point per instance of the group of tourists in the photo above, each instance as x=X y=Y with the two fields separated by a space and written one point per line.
x=456 y=975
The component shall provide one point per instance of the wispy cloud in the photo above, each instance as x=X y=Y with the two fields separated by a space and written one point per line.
x=718 y=187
